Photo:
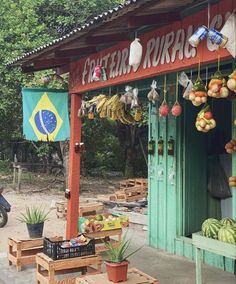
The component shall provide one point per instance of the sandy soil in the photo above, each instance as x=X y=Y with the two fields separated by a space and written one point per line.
x=39 y=194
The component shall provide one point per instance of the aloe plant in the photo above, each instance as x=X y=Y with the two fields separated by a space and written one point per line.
x=33 y=215
x=118 y=253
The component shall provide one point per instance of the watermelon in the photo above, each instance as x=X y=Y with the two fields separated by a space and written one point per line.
x=210 y=228
x=227 y=234
x=228 y=221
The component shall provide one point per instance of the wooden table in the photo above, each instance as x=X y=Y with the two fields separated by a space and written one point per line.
x=134 y=277
x=203 y=243
x=102 y=236
x=48 y=268
x=23 y=252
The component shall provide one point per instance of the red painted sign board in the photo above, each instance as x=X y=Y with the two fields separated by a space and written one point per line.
x=164 y=50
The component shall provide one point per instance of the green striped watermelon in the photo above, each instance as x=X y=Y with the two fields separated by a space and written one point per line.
x=227 y=234
x=210 y=228
x=228 y=221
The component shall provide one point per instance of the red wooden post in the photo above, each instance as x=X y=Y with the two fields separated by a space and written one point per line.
x=74 y=169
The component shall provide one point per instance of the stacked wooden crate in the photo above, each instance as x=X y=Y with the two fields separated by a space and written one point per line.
x=85 y=209
x=129 y=190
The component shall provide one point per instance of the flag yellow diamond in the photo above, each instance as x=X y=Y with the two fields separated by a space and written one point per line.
x=45 y=120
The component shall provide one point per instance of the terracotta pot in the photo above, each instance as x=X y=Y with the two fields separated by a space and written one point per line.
x=117 y=272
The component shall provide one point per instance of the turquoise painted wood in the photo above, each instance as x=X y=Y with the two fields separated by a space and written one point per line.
x=163 y=176
x=178 y=197
x=202 y=243
x=234 y=161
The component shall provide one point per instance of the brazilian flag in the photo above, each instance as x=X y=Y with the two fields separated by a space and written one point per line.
x=45 y=114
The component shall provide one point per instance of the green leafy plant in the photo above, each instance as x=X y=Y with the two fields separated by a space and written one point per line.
x=119 y=253
x=34 y=215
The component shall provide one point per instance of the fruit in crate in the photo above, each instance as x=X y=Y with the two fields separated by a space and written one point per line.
x=231 y=83
x=198 y=94
x=230 y=147
x=217 y=87
x=211 y=227
x=205 y=121
x=227 y=234
x=228 y=222
x=99 y=217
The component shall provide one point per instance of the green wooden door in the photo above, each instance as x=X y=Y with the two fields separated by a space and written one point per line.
x=164 y=176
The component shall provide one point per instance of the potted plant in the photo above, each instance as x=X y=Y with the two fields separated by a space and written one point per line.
x=117 y=265
x=34 y=217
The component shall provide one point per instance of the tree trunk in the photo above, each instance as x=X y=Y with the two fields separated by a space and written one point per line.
x=131 y=154
x=64 y=146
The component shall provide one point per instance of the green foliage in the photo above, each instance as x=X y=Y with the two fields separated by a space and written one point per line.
x=119 y=253
x=102 y=145
x=5 y=166
x=25 y=25
x=33 y=215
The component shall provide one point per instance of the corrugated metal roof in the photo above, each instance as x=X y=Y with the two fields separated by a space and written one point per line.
x=102 y=18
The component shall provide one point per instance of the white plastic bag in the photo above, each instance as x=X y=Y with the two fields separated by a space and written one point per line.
x=229 y=30
x=186 y=83
x=135 y=54
x=153 y=95
x=134 y=103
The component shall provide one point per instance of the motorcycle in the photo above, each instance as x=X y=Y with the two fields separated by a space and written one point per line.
x=5 y=207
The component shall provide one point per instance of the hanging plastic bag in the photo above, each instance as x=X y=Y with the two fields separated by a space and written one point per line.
x=127 y=97
x=218 y=186
x=186 y=83
x=135 y=54
x=229 y=30
x=134 y=103
x=82 y=111
x=153 y=95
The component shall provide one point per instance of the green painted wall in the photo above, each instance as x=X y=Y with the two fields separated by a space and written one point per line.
x=178 y=197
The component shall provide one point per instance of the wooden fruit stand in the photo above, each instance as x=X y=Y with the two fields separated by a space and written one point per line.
x=47 y=268
x=135 y=276
x=177 y=180
x=202 y=243
x=23 y=252
x=102 y=236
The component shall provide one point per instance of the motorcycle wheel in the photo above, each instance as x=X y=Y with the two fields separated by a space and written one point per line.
x=3 y=217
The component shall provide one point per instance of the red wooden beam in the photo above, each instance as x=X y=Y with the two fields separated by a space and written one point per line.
x=74 y=169
x=102 y=39
x=68 y=53
x=148 y=20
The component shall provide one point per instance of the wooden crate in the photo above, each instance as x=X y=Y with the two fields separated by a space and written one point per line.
x=102 y=236
x=130 y=190
x=85 y=209
x=135 y=276
x=23 y=252
x=47 y=268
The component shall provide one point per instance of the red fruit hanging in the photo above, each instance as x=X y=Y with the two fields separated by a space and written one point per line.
x=164 y=109
x=176 y=109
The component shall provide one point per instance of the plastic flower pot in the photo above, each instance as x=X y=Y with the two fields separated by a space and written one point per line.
x=35 y=230
x=117 y=272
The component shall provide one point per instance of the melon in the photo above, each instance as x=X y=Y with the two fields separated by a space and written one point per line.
x=228 y=221
x=227 y=234
x=210 y=228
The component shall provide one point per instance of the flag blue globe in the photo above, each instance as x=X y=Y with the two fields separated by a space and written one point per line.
x=46 y=121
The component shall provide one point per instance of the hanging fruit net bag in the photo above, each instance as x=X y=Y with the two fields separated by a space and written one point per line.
x=205 y=120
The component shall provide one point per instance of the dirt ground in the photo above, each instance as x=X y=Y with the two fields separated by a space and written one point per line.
x=39 y=189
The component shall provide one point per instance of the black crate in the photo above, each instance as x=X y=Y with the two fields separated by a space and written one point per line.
x=55 y=251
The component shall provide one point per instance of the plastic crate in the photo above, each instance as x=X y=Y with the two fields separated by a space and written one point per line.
x=55 y=251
